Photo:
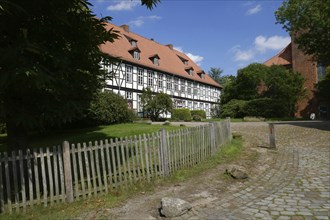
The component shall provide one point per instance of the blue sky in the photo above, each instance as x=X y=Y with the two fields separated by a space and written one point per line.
x=214 y=33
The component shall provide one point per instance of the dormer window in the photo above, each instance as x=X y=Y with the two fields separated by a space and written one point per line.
x=135 y=52
x=133 y=43
x=155 y=59
x=201 y=74
x=190 y=71
x=184 y=61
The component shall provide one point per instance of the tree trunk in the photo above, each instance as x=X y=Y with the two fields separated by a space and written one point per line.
x=17 y=136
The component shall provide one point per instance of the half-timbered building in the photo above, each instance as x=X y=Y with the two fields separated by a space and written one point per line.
x=142 y=63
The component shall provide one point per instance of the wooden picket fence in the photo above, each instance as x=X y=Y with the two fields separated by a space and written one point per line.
x=68 y=173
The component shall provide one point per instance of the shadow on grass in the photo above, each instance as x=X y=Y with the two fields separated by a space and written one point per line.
x=55 y=138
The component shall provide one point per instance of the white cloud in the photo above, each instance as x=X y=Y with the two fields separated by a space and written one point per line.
x=123 y=5
x=242 y=55
x=140 y=20
x=178 y=49
x=272 y=43
x=261 y=45
x=254 y=10
x=196 y=58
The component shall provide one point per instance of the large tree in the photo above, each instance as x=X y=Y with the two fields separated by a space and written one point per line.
x=258 y=88
x=215 y=73
x=49 y=63
x=308 y=21
x=246 y=85
x=285 y=87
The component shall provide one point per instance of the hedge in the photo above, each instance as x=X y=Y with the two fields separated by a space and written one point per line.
x=181 y=114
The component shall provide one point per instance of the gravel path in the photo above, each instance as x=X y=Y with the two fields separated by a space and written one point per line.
x=290 y=182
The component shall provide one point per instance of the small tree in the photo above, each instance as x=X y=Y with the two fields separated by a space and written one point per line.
x=155 y=105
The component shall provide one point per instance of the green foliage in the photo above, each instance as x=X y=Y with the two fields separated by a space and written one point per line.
x=264 y=107
x=215 y=74
x=248 y=81
x=308 y=22
x=109 y=108
x=234 y=109
x=154 y=105
x=268 y=91
x=284 y=87
x=3 y=128
x=200 y=113
x=323 y=87
x=246 y=84
x=50 y=62
x=181 y=114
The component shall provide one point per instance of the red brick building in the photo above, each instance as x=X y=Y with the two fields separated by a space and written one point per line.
x=293 y=58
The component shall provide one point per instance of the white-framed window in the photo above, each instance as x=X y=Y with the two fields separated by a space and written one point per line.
x=133 y=43
x=160 y=80
x=128 y=74
x=176 y=86
x=195 y=91
x=129 y=95
x=156 y=61
x=189 y=88
x=189 y=104
x=140 y=76
x=168 y=82
x=182 y=85
x=206 y=106
x=136 y=54
x=195 y=105
x=150 y=78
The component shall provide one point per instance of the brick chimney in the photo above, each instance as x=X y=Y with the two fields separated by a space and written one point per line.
x=170 y=46
x=125 y=27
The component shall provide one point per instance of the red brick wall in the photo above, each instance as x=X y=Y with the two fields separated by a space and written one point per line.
x=302 y=63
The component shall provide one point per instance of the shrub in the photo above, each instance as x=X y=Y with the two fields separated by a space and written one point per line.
x=181 y=114
x=196 y=118
x=109 y=108
x=265 y=107
x=200 y=113
x=3 y=128
x=234 y=109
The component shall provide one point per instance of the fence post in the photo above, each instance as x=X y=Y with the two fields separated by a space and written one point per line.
x=272 y=136
x=212 y=137
x=67 y=171
x=163 y=145
x=229 y=129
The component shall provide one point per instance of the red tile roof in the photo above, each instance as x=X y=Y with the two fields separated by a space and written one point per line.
x=284 y=57
x=170 y=60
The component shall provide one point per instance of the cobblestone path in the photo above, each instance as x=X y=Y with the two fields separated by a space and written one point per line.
x=297 y=186
x=290 y=182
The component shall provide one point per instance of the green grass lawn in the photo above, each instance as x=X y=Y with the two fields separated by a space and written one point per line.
x=52 y=138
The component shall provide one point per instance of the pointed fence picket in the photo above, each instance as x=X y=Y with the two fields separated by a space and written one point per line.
x=72 y=172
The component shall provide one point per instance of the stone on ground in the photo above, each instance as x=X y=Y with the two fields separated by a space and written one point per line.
x=173 y=207
x=236 y=171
